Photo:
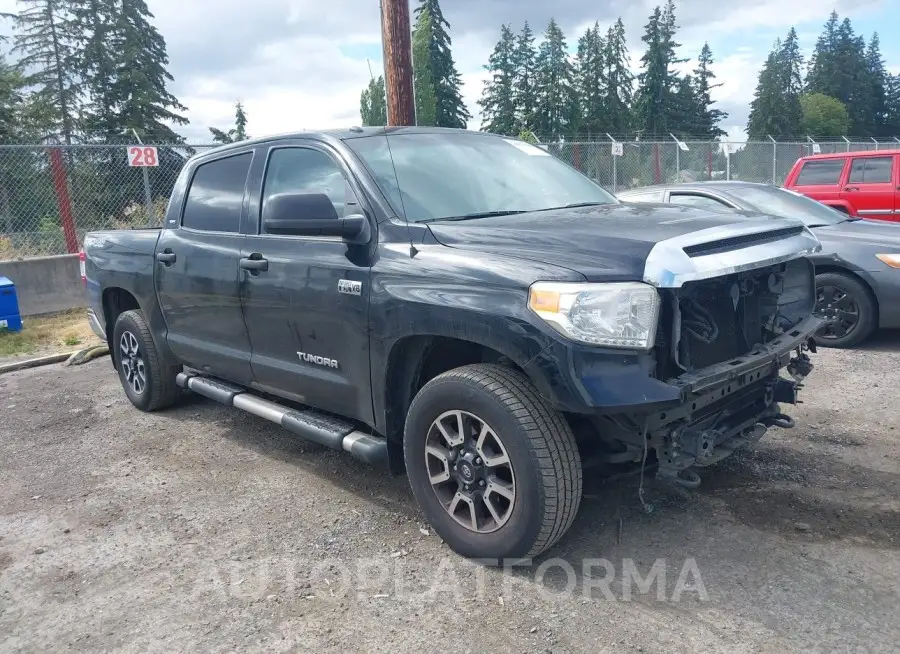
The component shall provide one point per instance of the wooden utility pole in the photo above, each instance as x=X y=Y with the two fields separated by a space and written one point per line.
x=398 y=72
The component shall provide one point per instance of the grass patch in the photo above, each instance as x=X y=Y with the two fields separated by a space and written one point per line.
x=48 y=334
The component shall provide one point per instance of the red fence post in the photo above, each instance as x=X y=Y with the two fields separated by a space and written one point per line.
x=63 y=200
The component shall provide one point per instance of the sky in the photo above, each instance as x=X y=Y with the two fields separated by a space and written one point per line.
x=301 y=64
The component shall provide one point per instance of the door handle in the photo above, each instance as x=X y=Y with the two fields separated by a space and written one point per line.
x=167 y=257
x=254 y=265
x=852 y=188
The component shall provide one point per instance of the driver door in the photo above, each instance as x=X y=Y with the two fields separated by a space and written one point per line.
x=305 y=298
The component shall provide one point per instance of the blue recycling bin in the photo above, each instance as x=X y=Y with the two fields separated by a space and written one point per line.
x=10 y=318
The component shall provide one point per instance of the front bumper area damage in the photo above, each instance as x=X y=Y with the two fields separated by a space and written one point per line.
x=722 y=408
x=730 y=405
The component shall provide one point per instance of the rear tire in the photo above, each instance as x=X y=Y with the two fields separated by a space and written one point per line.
x=849 y=307
x=533 y=499
x=147 y=377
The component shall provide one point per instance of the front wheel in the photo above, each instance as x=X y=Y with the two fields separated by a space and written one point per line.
x=494 y=468
x=848 y=308
x=147 y=377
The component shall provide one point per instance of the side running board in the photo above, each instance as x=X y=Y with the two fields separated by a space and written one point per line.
x=318 y=427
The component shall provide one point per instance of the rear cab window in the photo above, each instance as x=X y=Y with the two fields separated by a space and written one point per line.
x=821 y=172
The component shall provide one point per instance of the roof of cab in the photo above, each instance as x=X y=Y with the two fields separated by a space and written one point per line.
x=345 y=134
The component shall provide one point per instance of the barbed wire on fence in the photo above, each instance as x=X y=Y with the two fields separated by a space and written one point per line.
x=51 y=195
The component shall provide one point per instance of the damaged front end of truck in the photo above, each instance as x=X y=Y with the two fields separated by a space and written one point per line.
x=736 y=309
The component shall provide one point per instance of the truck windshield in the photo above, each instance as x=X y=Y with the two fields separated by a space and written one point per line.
x=447 y=176
x=782 y=202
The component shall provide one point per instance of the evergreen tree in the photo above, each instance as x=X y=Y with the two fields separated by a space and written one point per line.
x=824 y=76
x=656 y=112
x=775 y=110
x=12 y=101
x=144 y=103
x=373 y=103
x=44 y=38
x=525 y=92
x=450 y=110
x=498 y=106
x=840 y=68
x=878 y=79
x=619 y=91
x=237 y=133
x=892 y=104
x=707 y=118
x=122 y=59
x=94 y=58
x=423 y=75
x=685 y=106
x=590 y=84
x=556 y=100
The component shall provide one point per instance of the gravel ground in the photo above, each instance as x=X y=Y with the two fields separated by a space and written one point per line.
x=205 y=529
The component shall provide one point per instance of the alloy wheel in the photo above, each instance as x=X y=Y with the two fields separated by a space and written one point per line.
x=132 y=362
x=470 y=471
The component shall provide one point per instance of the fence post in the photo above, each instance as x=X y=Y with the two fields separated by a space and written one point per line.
x=847 y=141
x=875 y=142
x=576 y=156
x=614 y=157
x=63 y=199
x=774 y=159
x=657 y=175
x=709 y=158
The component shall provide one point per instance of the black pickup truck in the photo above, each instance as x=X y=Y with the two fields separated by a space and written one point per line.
x=463 y=307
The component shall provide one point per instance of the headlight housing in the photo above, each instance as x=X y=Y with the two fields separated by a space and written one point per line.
x=893 y=260
x=616 y=314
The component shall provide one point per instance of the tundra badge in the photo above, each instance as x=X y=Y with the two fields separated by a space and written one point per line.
x=319 y=361
x=349 y=287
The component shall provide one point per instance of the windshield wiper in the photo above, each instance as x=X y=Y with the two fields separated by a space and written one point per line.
x=575 y=205
x=473 y=216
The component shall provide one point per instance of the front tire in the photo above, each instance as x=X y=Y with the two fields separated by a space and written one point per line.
x=147 y=377
x=494 y=468
x=849 y=308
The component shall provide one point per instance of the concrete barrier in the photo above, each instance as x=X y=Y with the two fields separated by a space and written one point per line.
x=46 y=284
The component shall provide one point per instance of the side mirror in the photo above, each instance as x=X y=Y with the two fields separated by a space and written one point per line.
x=309 y=214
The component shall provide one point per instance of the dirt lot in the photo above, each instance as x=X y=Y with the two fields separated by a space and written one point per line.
x=204 y=529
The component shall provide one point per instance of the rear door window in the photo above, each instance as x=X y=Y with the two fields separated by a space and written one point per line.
x=216 y=195
x=826 y=172
x=872 y=170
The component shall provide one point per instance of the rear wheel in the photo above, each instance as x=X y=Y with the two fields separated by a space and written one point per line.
x=494 y=468
x=147 y=377
x=848 y=307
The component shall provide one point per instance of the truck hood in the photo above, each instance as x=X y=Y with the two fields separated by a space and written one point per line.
x=619 y=242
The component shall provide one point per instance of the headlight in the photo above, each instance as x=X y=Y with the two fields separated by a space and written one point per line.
x=893 y=260
x=615 y=314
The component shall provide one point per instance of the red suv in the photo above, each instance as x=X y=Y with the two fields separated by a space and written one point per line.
x=862 y=184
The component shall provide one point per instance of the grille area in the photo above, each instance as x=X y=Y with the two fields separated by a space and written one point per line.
x=719 y=319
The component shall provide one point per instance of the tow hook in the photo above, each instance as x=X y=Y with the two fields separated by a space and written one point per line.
x=800 y=366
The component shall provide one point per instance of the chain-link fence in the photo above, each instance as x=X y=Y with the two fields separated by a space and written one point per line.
x=51 y=195
x=619 y=165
